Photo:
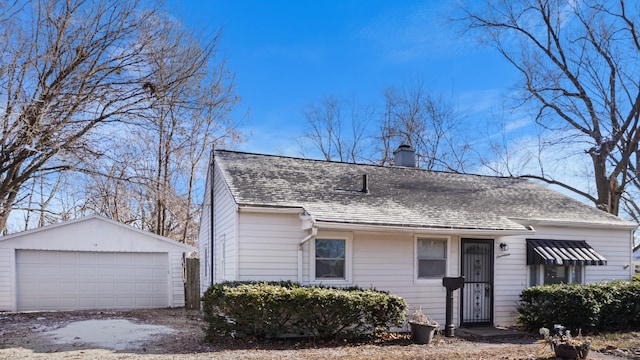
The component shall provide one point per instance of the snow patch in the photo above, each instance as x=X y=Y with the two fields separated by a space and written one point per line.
x=109 y=334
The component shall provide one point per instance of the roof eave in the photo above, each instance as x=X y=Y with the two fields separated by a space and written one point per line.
x=622 y=225
x=270 y=209
x=334 y=225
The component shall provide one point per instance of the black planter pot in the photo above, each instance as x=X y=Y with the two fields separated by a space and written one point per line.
x=422 y=333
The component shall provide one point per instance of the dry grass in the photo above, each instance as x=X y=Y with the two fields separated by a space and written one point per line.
x=24 y=336
x=626 y=344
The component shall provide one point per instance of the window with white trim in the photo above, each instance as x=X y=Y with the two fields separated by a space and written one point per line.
x=554 y=274
x=331 y=259
x=431 y=258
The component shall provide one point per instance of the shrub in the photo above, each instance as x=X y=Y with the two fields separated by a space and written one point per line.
x=611 y=305
x=276 y=309
x=623 y=311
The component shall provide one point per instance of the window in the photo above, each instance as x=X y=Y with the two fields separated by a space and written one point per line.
x=431 y=258
x=554 y=274
x=330 y=262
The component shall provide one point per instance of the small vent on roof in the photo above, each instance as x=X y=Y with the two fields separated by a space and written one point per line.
x=404 y=156
x=365 y=183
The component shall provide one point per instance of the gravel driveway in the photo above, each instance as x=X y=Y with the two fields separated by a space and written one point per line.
x=177 y=334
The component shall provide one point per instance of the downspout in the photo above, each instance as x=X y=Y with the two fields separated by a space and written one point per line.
x=211 y=215
x=312 y=234
x=632 y=266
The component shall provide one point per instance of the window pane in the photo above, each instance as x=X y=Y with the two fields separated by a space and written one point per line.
x=432 y=248
x=576 y=274
x=331 y=249
x=533 y=275
x=330 y=258
x=326 y=268
x=556 y=274
x=431 y=268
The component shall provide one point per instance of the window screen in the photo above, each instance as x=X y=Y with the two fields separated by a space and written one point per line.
x=432 y=258
x=330 y=258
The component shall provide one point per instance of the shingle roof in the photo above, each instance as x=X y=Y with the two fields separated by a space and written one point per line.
x=332 y=192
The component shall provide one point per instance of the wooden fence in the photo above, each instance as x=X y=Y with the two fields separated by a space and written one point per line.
x=192 y=284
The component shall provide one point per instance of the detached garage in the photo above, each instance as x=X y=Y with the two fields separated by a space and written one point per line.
x=90 y=263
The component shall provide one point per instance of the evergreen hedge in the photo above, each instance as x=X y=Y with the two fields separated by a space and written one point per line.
x=613 y=305
x=277 y=309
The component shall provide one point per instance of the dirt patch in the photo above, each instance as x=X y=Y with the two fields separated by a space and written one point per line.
x=177 y=334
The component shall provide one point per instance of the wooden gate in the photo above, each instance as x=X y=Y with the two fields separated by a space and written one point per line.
x=192 y=284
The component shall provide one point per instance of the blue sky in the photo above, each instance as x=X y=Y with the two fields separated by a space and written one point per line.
x=286 y=54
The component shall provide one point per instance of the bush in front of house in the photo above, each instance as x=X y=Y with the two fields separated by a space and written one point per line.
x=613 y=305
x=277 y=309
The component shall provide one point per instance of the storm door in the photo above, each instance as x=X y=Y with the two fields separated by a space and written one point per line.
x=477 y=294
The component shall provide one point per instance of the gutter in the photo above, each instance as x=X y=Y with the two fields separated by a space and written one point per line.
x=270 y=210
x=622 y=225
x=211 y=214
x=426 y=230
x=632 y=268
x=313 y=231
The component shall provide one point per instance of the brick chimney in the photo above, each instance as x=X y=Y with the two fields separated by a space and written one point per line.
x=404 y=156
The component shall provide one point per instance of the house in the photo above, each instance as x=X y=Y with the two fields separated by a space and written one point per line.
x=402 y=229
x=90 y=263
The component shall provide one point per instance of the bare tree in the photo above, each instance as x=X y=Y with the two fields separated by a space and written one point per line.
x=80 y=75
x=345 y=131
x=425 y=121
x=210 y=127
x=186 y=121
x=160 y=161
x=108 y=186
x=39 y=193
x=578 y=63
x=337 y=128
x=68 y=67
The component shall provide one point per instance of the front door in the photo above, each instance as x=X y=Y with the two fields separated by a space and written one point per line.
x=477 y=294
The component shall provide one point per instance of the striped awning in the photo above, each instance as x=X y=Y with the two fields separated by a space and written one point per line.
x=562 y=252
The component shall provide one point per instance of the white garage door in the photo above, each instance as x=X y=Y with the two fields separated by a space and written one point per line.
x=73 y=280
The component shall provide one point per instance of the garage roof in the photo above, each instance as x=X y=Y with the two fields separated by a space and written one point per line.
x=92 y=233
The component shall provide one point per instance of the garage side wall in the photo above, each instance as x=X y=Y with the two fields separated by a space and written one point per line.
x=7 y=283
x=176 y=279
